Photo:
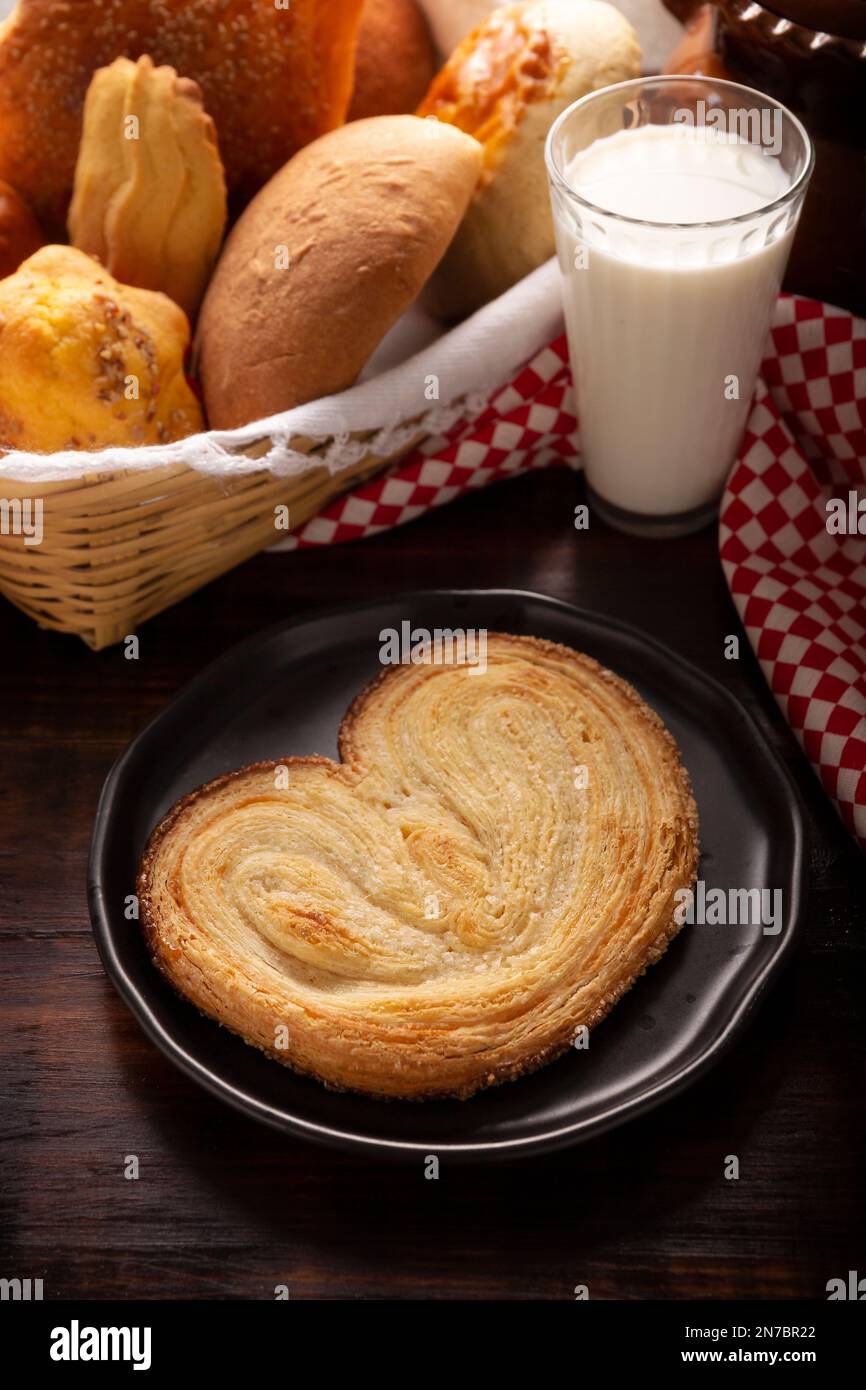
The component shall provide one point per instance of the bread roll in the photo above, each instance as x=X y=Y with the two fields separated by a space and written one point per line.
x=20 y=233
x=505 y=84
x=326 y=259
x=394 y=59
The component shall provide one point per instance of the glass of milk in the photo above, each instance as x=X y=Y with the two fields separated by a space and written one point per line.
x=675 y=201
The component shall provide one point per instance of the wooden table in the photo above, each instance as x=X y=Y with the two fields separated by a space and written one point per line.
x=223 y=1208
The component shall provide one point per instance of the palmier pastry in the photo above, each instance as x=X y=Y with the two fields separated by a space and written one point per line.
x=273 y=77
x=150 y=194
x=490 y=866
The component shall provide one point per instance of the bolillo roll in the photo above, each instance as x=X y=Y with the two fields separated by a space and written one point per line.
x=325 y=260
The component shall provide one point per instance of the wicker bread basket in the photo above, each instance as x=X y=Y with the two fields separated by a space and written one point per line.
x=119 y=546
x=122 y=540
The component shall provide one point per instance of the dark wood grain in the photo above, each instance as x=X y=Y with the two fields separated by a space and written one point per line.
x=225 y=1209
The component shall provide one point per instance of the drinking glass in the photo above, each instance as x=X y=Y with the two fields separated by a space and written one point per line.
x=667 y=319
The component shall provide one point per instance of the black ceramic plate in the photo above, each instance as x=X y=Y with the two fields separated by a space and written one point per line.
x=285 y=692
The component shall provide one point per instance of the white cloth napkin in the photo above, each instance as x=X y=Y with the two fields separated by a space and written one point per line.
x=450 y=375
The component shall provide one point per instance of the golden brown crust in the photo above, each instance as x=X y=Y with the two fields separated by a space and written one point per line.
x=273 y=79
x=20 y=233
x=151 y=208
x=301 y=901
x=72 y=339
x=394 y=59
x=325 y=260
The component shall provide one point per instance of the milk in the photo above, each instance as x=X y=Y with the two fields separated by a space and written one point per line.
x=666 y=324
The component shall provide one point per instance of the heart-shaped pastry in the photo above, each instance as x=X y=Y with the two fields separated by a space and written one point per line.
x=490 y=866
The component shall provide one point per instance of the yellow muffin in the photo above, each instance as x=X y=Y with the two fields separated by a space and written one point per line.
x=86 y=362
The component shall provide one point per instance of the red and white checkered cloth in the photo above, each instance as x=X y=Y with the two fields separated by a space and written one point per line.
x=800 y=591
x=529 y=423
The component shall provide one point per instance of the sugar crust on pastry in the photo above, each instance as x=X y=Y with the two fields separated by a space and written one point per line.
x=491 y=865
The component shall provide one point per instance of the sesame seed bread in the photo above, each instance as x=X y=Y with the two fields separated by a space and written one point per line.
x=273 y=79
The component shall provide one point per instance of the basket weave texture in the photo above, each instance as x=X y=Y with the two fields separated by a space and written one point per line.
x=122 y=540
x=117 y=547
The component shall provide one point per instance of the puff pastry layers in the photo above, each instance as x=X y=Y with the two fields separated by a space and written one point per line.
x=490 y=866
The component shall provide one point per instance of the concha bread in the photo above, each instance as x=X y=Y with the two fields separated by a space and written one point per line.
x=325 y=259
x=506 y=83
